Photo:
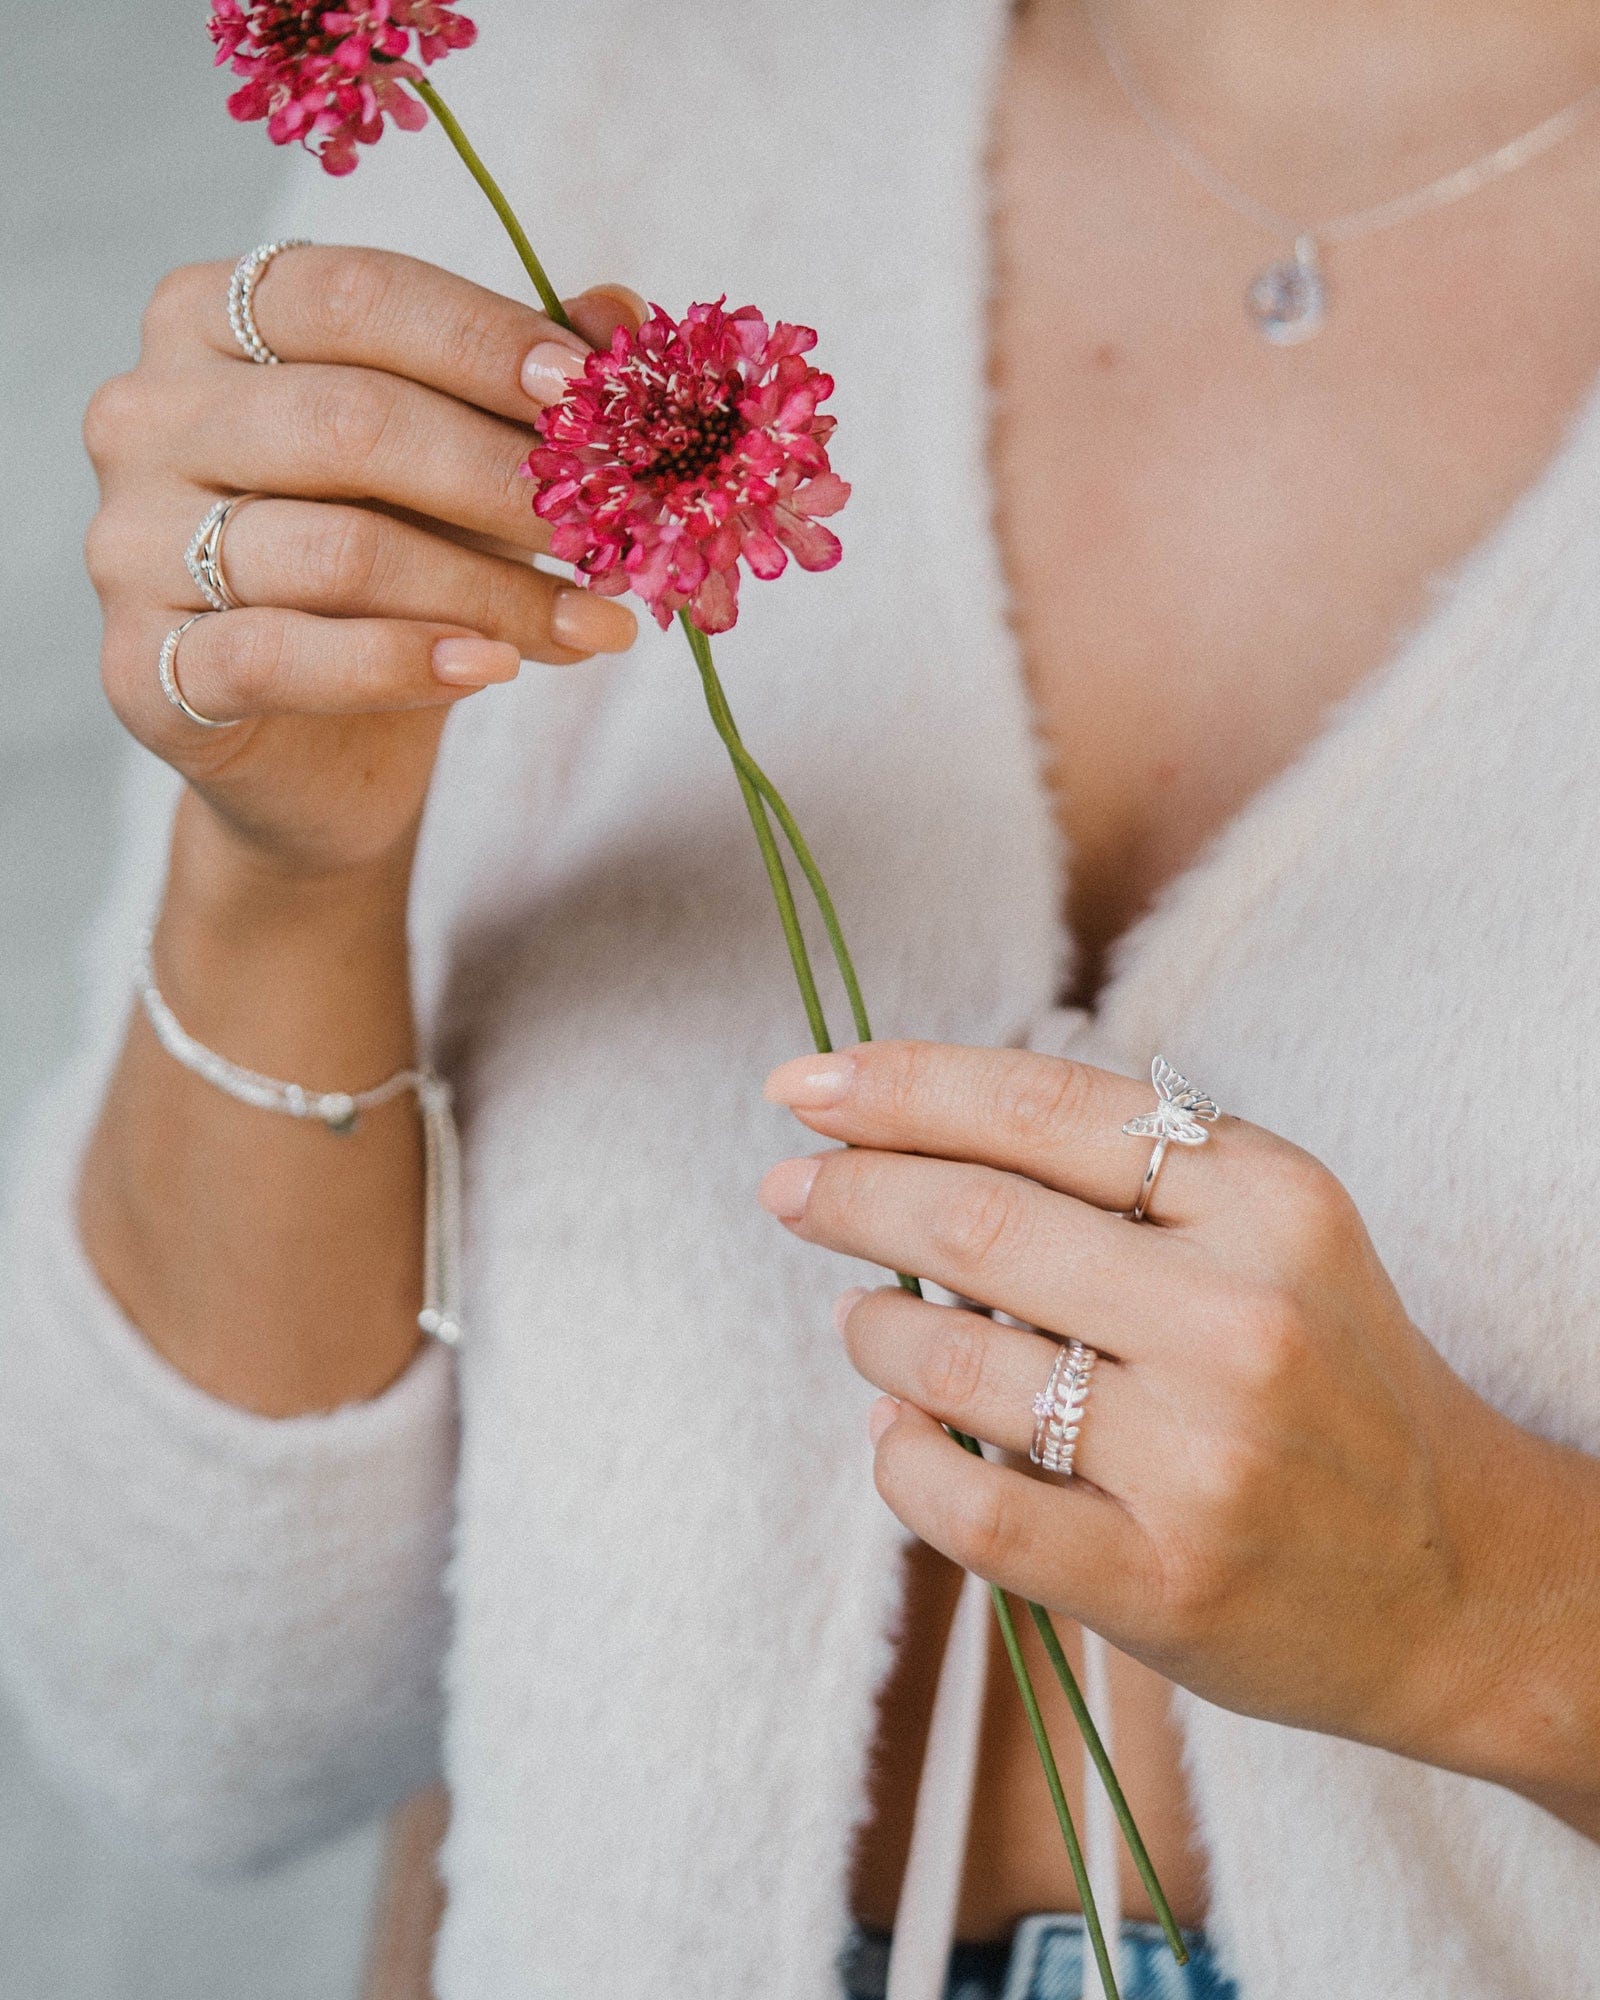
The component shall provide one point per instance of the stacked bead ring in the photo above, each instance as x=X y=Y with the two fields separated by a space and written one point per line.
x=203 y=557
x=242 y=294
x=1058 y=1408
x=168 y=672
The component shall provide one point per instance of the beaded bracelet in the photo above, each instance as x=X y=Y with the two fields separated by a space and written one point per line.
x=340 y=1112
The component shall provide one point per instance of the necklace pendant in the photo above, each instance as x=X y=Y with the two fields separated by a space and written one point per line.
x=1289 y=301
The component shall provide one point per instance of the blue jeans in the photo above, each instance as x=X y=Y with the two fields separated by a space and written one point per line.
x=1045 y=1959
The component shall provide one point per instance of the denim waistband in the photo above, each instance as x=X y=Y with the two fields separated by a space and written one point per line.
x=1045 y=1959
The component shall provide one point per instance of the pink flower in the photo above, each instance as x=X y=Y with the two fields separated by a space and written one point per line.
x=327 y=75
x=682 y=449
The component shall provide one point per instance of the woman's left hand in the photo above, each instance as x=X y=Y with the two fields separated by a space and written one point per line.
x=1286 y=1500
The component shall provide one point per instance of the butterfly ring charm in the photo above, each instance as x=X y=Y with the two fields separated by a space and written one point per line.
x=1180 y=1118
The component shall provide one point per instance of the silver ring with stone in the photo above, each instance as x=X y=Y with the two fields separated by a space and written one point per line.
x=203 y=557
x=168 y=671
x=247 y=275
x=1180 y=1118
x=1059 y=1406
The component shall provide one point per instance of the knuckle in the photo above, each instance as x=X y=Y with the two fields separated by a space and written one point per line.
x=951 y=1369
x=171 y=306
x=887 y=1471
x=473 y=348
x=860 y=1329
x=341 y=555
x=1197 y=1573
x=117 y=672
x=1190 y=1602
x=347 y=418
x=984 y=1531
x=511 y=602
x=1036 y=1096
x=505 y=490
x=375 y=660
x=982 y=1224
x=1268 y=1346
x=113 y=417
x=352 y=299
x=848 y=1183
x=109 y=544
x=1312 y=1206
x=899 y=1077
x=251 y=657
x=380 y=658
x=1228 y=1486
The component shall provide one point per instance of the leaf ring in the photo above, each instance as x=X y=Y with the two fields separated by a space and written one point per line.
x=1058 y=1408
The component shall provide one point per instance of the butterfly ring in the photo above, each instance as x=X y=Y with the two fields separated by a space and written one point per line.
x=1180 y=1118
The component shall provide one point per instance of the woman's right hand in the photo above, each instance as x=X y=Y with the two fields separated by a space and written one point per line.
x=386 y=574
x=385 y=571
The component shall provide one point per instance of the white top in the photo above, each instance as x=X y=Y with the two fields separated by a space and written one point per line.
x=662 y=1675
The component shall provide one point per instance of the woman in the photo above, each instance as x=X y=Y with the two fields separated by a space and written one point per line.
x=1336 y=1480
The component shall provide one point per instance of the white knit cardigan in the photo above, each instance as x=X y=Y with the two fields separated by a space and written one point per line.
x=673 y=1590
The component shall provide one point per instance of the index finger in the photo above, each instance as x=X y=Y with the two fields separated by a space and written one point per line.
x=1056 y=1121
x=378 y=309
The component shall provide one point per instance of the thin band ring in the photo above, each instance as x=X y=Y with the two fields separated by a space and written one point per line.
x=1147 y=1187
x=1058 y=1408
x=203 y=557
x=168 y=671
x=247 y=274
x=1180 y=1118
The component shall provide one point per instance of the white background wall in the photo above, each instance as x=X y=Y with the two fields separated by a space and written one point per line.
x=116 y=161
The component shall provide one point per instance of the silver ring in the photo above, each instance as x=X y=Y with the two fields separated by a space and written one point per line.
x=1180 y=1118
x=1059 y=1406
x=168 y=670
x=247 y=275
x=203 y=557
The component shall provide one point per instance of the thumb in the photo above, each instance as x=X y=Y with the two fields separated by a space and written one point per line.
x=598 y=312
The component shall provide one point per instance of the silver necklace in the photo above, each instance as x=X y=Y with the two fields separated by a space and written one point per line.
x=1288 y=301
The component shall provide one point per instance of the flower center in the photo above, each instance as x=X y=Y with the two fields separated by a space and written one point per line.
x=295 y=25
x=687 y=428
x=291 y=23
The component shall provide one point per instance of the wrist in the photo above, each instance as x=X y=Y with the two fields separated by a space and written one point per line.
x=301 y=976
x=1514 y=1697
x=239 y=890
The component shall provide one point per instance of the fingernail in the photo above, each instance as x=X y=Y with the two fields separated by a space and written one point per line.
x=598 y=312
x=636 y=304
x=584 y=623
x=845 y=1304
x=811 y=1083
x=787 y=1188
x=881 y=1416
x=470 y=662
x=548 y=368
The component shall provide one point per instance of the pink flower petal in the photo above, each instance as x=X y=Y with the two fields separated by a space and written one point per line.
x=716 y=603
x=332 y=73
x=686 y=449
x=812 y=547
x=825 y=494
x=765 y=554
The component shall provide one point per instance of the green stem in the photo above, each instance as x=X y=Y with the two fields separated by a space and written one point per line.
x=761 y=795
x=1069 y=1833
x=548 y=297
x=746 y=764
x=760 y=792
x=1108 y=1777
x=782 y=894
